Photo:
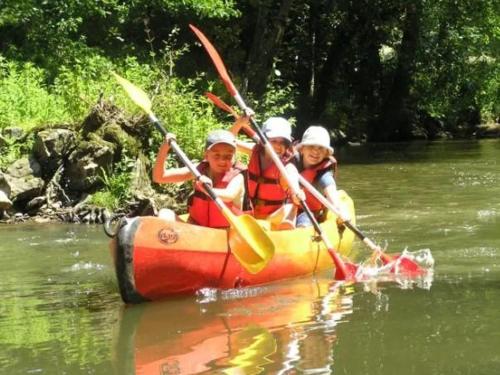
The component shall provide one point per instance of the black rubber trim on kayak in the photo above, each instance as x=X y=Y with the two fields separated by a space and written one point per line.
x=111 y=231
x=125 y=262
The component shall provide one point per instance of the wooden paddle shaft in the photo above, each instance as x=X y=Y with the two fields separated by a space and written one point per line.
x=335 y=210
x=281 y=167
x=187 y=162
x=277 y=161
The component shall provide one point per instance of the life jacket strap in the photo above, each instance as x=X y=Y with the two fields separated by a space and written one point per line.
x=267 y=202
x=262 y=180
x=201 y=195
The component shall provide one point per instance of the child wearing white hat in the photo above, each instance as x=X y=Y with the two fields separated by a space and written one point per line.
x=267 y=188
x=317 y=165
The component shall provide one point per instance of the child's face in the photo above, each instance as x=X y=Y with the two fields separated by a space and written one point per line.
x=280 y=145
x=220 y=158
x=312 y=155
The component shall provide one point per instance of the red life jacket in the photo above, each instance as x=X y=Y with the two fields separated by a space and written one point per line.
x=312 y=174
x=264 y=188
x=202 y=209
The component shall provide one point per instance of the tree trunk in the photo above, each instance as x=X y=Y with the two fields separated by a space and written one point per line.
x=265 y=44
x=326 y=73
x=395 y=121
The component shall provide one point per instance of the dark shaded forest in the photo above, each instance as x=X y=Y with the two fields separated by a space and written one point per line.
x=375 y=70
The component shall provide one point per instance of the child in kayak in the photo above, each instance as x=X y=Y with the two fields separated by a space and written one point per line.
x=317 y=165
x=267 y=189
x=218 y=169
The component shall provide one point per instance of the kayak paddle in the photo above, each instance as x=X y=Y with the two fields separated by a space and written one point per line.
x=405 y=265
x=221 y=104
x=248 y=241
x=343 y=270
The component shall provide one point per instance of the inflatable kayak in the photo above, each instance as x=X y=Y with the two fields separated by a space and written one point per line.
x=155 y=258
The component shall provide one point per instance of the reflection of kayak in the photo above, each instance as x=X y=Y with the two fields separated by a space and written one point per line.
x=251 y=335
x=155 y=258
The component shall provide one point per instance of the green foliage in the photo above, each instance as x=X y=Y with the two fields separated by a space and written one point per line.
x=459 y=69
x=338 y=61
x=49 y=31
x=203 y=8
x=14 y=151
x=116 y=187
x=83 y=83
x=279 y=98
x=185 y=112
x=25 y=100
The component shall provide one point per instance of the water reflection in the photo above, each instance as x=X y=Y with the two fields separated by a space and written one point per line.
x=58 y=305
x=277 y=329
x=419 y=151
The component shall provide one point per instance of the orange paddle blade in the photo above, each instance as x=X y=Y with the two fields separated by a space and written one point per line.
x=219 y=65
x=343 y=270
x=221 y=104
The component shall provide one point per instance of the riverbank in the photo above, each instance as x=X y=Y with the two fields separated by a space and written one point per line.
x=85 y=173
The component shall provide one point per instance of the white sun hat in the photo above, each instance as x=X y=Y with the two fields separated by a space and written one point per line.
x=220 y=136
x=316 y=136
x=277 y=127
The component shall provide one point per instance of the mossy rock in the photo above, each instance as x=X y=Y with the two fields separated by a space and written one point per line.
x=87 y=163
x=113 y=133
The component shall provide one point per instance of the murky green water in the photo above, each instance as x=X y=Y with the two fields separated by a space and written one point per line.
x=60 y=312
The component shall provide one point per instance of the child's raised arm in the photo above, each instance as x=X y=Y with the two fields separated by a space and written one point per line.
x=172 y=175
x=242 y=122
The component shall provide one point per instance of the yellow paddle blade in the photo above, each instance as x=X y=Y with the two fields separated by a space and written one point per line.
x=137 y=95
x=252 y=346
x=250 y=243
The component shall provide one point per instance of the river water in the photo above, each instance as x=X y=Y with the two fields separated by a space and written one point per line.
x=60 y=310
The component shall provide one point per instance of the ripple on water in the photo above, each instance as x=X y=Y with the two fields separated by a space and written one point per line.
x=487 y=215
x=85 y=266
x=475 y=252
x=466 y=179
x=456 y=229
x=66 y=240
x=481 y=261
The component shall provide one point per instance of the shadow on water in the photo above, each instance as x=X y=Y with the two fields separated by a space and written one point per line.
x=418 y=151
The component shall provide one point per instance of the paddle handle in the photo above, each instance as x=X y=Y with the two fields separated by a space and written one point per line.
x=347 y=223
x=189 y=164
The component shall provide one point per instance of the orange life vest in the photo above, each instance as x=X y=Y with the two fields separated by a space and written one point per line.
x=312 y=175
x=264 y=188
x=202 y=209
